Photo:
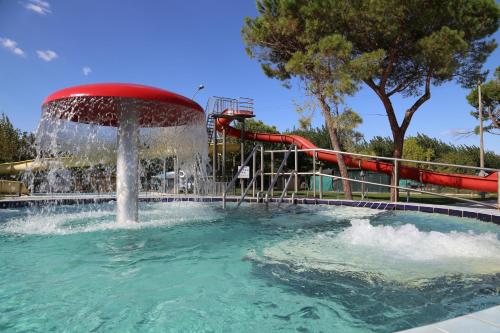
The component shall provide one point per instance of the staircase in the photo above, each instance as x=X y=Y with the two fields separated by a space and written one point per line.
x=216 y=105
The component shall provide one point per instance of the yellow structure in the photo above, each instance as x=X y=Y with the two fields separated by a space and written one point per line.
x=12 y=187
x=13 y=168
x=231 y=148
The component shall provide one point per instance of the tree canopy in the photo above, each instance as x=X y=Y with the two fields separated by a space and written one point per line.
x=394 y=46
x=15 y=145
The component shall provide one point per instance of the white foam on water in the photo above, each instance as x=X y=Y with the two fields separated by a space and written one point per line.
x=401 y=253
x=65 y=223
x=407 y=242
x=346 y=212
x=324 y=214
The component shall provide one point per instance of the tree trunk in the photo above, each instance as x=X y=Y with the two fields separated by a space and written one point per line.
x=332 y=130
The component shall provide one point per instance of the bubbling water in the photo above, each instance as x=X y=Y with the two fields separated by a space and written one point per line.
x=76 y=155
x=396 y=253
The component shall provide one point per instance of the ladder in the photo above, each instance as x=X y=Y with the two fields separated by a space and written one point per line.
x=236 y=176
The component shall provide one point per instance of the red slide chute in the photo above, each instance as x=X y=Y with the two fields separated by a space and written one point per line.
x=469 y=182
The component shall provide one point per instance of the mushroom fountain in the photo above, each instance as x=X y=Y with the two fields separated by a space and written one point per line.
x=130 y=109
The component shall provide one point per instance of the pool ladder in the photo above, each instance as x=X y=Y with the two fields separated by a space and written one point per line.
x=276 y=176
x=251 y=156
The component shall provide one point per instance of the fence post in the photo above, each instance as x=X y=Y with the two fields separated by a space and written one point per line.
x=272 y=173
x=314 y=174
x=214 y=157
x=498 y=190
x=223 y=159
x=362 y=176
x=320 y=182
x=296 y=180
x=262 y=168
x=254 y=155
x=396 y=180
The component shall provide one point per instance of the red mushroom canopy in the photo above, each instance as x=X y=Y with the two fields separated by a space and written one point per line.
x=101 y=103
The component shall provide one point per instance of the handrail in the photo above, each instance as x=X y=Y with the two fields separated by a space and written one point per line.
x=244 y=194
x=285 y=188
x=410 y=189
x=386 y=158
x=233 y=181
x=278 y=172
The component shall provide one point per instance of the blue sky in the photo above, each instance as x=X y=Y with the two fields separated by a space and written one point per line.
x=175 y=45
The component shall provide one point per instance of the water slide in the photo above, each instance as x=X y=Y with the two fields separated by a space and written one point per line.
x=12 y=168
x=469 y=182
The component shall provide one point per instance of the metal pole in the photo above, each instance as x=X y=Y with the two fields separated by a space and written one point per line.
x=262 y=168
x=176 y=181
x=272 y=173
x=362 y=176
x=395 y=179
x=234 y=167
x=320 y=182
x=242 y=151
x=481 y=142
x=296 y=180
x=498 y=190
x=214 y=158
x=314 y=174
x=254 y=161
x=223 y=153
x=164 y=187
x=482 y=173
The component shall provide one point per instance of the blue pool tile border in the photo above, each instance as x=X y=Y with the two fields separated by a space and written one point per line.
x=482 y=215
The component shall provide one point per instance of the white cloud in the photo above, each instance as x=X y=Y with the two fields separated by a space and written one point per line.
x=86 y=70
x=47 y=55
x=11 y=45
x=458 y=132
x=38 y=6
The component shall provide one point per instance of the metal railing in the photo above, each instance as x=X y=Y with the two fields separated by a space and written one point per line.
x=235 y=178
x=285 y=188
x=278 y=173
x=294 y=174
x=396 y=162
x=243 y=195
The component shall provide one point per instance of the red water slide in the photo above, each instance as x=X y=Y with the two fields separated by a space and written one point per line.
x=469 y=182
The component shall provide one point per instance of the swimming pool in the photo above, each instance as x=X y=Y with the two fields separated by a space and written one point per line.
x=194 y=267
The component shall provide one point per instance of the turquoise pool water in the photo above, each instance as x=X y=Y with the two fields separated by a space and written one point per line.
x=192 y=267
